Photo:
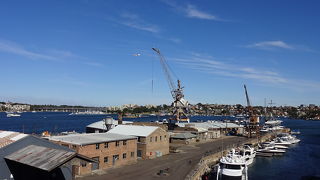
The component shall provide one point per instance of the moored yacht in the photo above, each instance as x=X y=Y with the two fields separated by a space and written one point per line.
x=270 y=149
x=249 y=153
x=288 y=138
x=233 y=166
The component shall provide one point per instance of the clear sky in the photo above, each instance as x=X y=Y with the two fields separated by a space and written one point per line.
x=83 y=51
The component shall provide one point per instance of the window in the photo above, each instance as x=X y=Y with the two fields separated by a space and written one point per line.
x=124 y=155
x=139 y=139
x=74 y=146
x=165 y=136
x=160 y=138
x=106 y=145
x=97 y=146
x=83 y=164
x=132 y=154
x=117 y=143
x=115 y=157
x=150 y=139
x=124 y=143
x=156 y=139
x=105 y=159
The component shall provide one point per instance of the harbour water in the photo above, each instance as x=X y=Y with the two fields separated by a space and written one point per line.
x=298 y=162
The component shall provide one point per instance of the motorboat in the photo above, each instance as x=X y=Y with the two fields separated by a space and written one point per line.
x=288 y=138
x=282 y=141
x=249 y=153
x=232 y=166
x=12 y=114
x=270 y=148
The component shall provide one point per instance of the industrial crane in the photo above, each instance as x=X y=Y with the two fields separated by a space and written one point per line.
x=180 y=105
x=253 y=119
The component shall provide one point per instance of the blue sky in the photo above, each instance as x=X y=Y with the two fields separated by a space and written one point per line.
x=82 y=52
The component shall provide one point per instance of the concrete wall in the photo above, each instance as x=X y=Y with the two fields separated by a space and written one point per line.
x=213 y=134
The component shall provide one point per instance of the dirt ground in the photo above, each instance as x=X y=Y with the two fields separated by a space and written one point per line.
x=174 y=166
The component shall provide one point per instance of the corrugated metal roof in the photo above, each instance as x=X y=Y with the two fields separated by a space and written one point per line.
x=101 y=124
x=41 y=157
x=183 y=136
x=91 y=138
x=211 y=124
x=134 y=130
x=8 y=137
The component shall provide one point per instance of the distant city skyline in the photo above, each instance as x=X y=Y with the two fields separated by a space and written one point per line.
x=98 y=53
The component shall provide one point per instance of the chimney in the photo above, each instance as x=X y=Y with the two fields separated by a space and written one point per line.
x=119 y=118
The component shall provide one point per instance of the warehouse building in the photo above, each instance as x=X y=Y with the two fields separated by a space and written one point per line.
x=152 y=142
x=109 y=149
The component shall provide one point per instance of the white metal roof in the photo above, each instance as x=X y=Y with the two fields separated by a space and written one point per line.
x=101 y=124
x=91 y=138
x=134 y=130
x=211 y=124
x=8 y=137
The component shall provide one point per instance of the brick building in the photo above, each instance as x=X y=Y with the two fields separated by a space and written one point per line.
x=152 y=142
x=109 y=149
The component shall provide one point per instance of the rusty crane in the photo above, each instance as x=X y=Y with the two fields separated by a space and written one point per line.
x=180 y=105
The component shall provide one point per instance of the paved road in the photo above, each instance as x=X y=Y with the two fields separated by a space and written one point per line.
x=178 y=164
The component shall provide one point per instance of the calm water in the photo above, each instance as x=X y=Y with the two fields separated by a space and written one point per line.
x=300 y=160
x=61 y=121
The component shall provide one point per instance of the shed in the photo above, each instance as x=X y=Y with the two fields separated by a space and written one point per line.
x=12 y=168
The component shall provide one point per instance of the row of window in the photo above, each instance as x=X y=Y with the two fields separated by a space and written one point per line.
x=116 y=157
x=156 y=138
x=106 y=144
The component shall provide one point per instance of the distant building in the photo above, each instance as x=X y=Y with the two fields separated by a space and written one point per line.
x=152 y=141
x=109 y=149
x=28 y=157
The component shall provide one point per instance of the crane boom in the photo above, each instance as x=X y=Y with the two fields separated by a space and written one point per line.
x=247 y=97
x=180 y=105
x=167 y=72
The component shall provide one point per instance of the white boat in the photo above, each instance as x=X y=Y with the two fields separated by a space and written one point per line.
x=232 y=166
x=249 y=153
x=269 y=148
x=288 y=138
x=273 y=122
x=281 y=147
x=12 y=114
x=282 y=141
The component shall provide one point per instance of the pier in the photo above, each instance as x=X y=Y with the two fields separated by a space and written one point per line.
x=190 y=163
